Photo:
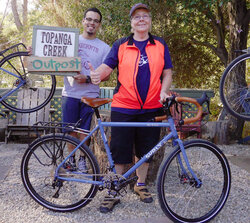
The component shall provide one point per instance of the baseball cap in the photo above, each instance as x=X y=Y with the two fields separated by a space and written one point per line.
x=138 y=6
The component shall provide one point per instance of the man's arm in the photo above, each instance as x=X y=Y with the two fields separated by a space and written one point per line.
x=102 y=73
x=166 y=84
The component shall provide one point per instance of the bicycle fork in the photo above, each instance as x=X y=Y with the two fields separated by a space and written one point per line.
x=184 y=175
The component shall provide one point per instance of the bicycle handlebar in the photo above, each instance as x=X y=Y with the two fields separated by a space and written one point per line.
x=198 y=102
x=195 y=102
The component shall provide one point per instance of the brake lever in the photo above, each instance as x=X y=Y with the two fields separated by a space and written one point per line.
x=204 y=99
x=176 y=108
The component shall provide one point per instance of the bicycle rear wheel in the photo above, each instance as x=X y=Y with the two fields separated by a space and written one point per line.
x=179 y=197
x=235 y=87
x=14 y=73
x=38 y=168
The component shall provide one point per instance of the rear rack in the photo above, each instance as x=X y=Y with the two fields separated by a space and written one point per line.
x=13 y=49
x=58 y=127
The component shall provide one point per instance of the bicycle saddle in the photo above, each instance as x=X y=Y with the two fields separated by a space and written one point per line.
x=95 y=102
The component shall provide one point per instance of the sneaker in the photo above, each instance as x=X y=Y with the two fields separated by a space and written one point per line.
x=142 y=191
x=70 y=164
x=108 y=204
x=82 y=165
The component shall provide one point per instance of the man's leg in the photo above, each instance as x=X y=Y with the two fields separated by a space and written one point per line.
x=140 y=187
x=85 y=113
x=142 y=172
x=145 y=140
x=73 y=109
x=121 y=146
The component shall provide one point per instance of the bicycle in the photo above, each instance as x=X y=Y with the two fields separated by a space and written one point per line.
x=15 y=80
x=193 y=182
x=235 y=86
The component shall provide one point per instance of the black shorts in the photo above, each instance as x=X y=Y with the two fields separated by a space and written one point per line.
x=123 y=139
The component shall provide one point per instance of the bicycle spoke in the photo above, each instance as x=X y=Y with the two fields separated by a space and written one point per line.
x=38 y=174
x=235 y=87
x=181 y=198
x=35 y=90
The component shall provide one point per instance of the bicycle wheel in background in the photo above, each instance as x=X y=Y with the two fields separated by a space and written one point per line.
x=38 y=168
x=20 y=100
x=179 y=197
x=235 y=87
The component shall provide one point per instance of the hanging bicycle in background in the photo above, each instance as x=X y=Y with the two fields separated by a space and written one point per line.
x=235 y=86
x=54 y=52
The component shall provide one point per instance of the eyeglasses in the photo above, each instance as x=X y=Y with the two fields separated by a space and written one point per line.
x=95 y=20
x=138 y=17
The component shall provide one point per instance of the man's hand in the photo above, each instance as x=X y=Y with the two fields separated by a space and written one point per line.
x=95 y=76
x=164 y=96
x=29 y=48
x=80 y=78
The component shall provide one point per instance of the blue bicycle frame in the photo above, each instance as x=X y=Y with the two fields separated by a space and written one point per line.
x=100 y=126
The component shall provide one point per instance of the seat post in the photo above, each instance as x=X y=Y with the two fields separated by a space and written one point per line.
x=97 y=113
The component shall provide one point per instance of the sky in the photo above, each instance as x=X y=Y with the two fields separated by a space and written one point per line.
x=3 y=5
x=4 y=2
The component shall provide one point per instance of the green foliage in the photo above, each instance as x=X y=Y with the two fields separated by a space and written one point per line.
x=196 y=31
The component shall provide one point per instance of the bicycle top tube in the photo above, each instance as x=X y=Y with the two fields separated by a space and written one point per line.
x=97 y=102
x=135 y=124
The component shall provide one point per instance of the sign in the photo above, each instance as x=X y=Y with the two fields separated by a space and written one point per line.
x=49 y=44
x=54 y=64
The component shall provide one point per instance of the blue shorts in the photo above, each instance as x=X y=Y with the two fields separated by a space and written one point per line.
x=124 y=139
x=73 y=110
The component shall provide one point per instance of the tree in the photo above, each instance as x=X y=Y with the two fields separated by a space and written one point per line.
x=239 y=17
x=221 y=26
x=21 y=22
x=2 y=37
x=201 y=34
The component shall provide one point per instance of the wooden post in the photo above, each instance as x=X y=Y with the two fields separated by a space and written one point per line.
x=216 y=132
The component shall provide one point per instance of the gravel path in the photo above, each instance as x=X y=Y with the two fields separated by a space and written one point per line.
x=17 y=206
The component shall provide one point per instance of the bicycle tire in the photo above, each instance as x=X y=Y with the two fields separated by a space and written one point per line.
x=38 y=167
x=179 y=198
x=235 y=87
x=15 y=63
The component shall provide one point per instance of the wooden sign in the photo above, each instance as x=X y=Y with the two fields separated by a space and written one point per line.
x=55 y=50
x=54 y=64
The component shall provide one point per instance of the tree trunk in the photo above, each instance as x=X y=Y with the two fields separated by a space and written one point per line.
x=16 y=15
x=238 y=32
x=21 y=26
x=239 y=26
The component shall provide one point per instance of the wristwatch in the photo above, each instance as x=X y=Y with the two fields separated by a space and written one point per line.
x=88 y=79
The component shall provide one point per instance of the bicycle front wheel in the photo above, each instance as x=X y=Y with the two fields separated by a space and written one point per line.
x=38 y=170
x=36 y=89
x=180 y=197
x=235 y=87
